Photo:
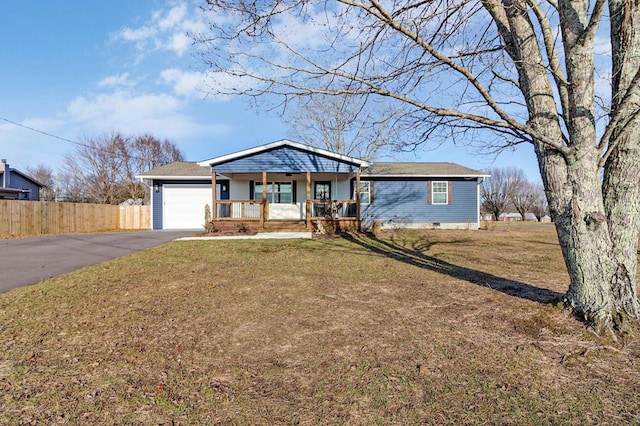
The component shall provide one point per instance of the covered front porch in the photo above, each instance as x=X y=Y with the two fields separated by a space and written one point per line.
x=290 y=201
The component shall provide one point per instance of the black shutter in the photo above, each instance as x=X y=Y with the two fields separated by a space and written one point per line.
x=251 y=190
x=294 y=188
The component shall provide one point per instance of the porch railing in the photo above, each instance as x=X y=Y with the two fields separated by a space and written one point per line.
x=334 y=209
x=238 y=209
x=256 y=210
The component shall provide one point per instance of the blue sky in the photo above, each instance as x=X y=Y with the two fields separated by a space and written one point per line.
x=78 y=69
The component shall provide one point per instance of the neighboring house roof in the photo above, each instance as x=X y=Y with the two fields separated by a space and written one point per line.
x=29 y=178
x=9 y=191
x=178 y=170
x=279 y=144
x=421 y=170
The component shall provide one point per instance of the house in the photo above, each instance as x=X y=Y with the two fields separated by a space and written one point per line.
x=286 y=185
x=15 y=185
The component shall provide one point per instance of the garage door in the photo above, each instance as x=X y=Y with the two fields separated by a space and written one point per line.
x=184 y=206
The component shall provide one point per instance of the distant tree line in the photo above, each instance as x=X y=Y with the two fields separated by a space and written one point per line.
x=103 y=169
x=508 y=188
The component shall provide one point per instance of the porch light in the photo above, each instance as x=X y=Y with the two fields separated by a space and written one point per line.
x=224 y=188
x=156 y=188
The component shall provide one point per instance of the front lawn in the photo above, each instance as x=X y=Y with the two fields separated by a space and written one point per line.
x=437 y=327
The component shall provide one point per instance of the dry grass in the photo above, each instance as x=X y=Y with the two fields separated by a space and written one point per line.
x=439 y=327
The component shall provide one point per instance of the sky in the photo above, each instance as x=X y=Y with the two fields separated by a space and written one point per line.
x=73 y=70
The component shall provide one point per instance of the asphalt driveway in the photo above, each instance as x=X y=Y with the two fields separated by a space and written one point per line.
x=26 y=261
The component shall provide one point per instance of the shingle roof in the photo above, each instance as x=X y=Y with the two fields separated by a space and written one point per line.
x=192 y=169
x=179 y=169
x=12 y=170
x=420 y=169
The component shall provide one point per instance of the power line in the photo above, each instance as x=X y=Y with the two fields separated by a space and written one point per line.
x=45 y=133
x=95 y=148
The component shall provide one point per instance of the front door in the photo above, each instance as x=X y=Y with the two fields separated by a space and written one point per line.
x=222 y=190
x=222 y=193
x=322 y=191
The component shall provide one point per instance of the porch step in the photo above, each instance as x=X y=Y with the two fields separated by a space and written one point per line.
x=233 y=226
x=269 y=226
x=285 y=226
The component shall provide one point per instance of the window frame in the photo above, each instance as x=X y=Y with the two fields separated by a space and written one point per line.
x=367 y=191
x=435 y=185
x=272 y=194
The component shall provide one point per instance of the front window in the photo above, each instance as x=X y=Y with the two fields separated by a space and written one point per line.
x=277 y=192
x=439 y=192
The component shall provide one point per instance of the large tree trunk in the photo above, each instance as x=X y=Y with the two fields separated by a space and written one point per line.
x=622 y=204
x=598 y=242
x=621 y=183
x=600 y=225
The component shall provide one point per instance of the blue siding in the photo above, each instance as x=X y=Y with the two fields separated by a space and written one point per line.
x=285 y=160
x=406 y=202
x=156 y=208
x=16 y=181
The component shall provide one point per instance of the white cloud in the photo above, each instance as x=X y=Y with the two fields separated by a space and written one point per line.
x=184 y=83
x=173 y=18
x=179 y=43
x=157 y=113
x=121 y=108
x=221 y=83
x=138 y=34
x=116 y=80
x=166 y=29
x=302 y=32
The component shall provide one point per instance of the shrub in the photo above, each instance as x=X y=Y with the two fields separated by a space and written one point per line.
x=210 y=227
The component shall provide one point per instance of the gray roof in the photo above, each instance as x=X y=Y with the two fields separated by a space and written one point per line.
x=178 y=169
x=421 y=170
x=12 y=170
x=191 y=169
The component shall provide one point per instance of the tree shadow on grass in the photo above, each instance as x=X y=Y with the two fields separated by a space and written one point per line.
x=413 y=255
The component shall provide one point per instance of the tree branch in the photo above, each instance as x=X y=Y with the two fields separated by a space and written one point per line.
x=552 y=55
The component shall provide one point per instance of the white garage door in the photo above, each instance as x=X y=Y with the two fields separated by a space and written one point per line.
x=184 y=206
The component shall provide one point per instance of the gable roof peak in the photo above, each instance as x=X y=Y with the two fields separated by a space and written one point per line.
x=283 y=143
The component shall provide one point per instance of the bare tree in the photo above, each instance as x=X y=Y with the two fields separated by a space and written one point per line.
x=103 y=169
x=142 y=153
x=525 y=198
x=343 y=124
x=499 y=72
x=498 y=191
x=96 y=166
x=539 y=208
x=44 y=174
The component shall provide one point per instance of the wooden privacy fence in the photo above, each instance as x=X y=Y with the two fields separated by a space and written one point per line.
x=32 y=218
